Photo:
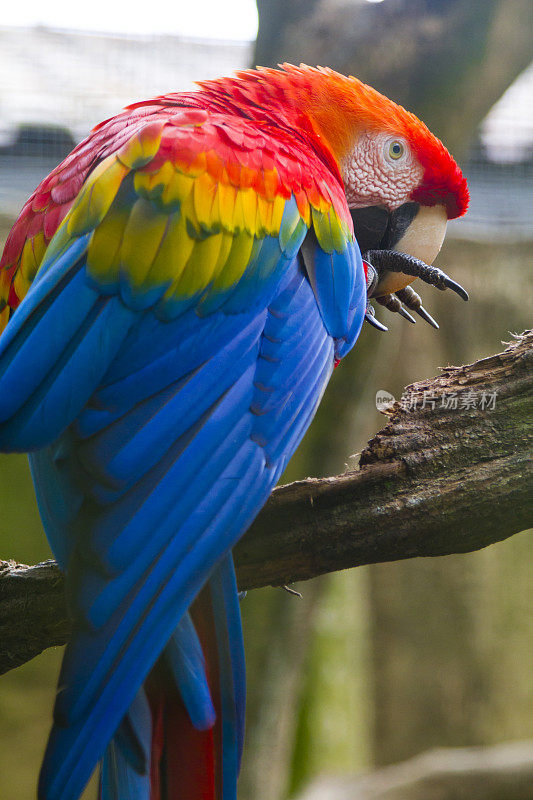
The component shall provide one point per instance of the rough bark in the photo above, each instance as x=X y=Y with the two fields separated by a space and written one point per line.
x=421 y=489
x=434 y=481
x=33 y=613
x=471 y=773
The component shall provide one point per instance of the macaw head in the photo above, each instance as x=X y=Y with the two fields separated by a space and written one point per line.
x=401 y=183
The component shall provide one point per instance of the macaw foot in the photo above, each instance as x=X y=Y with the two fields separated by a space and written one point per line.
x=384 y=261
x=379 y=262
x=410 y=299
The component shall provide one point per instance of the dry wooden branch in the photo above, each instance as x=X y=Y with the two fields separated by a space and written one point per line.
x=434 y=481
x=464 y=773
x=449 y=473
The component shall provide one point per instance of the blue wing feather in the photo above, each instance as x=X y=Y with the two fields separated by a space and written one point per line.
x=335 y=278
x=59 y=496
x=54 y=352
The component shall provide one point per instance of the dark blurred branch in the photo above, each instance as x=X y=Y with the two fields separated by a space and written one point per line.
x=449 y=62
x=33 y=613
x=467 y=773
x=436 y=480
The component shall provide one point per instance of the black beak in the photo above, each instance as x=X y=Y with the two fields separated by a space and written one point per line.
x=377 y=228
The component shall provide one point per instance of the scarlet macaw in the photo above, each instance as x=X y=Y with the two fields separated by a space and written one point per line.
x=185 y=281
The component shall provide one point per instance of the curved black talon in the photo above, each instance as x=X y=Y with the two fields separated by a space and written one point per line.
x=394 y=261
x=455 y=287
x=406 y=315
x=392 y=302
x=371 y=318
x=413 y=301
x=424 y=314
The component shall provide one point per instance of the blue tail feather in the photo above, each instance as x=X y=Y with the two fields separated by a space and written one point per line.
x=185 y=658
x=227 y=616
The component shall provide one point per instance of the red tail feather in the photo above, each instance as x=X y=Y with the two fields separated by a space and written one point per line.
x=185 y=763
x=189 y=757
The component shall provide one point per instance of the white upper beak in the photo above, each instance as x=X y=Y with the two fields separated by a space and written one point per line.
x=422 y=239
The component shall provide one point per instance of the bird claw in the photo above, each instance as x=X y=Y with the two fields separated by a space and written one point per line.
x=453 y=285
x=413 y=301
x=370 y=317
x=393 y=303
x=406 y=315
x=393 y=261
x=427 y=317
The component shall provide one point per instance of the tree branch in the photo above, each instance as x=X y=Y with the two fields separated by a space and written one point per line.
x=464 y=773
x=436 y=480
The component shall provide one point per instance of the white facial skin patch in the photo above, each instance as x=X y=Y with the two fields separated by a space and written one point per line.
x=380 y=170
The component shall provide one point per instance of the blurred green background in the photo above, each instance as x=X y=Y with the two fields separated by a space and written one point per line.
x=376 y=664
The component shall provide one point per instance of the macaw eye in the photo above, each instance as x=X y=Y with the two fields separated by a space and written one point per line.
x=396 y=150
